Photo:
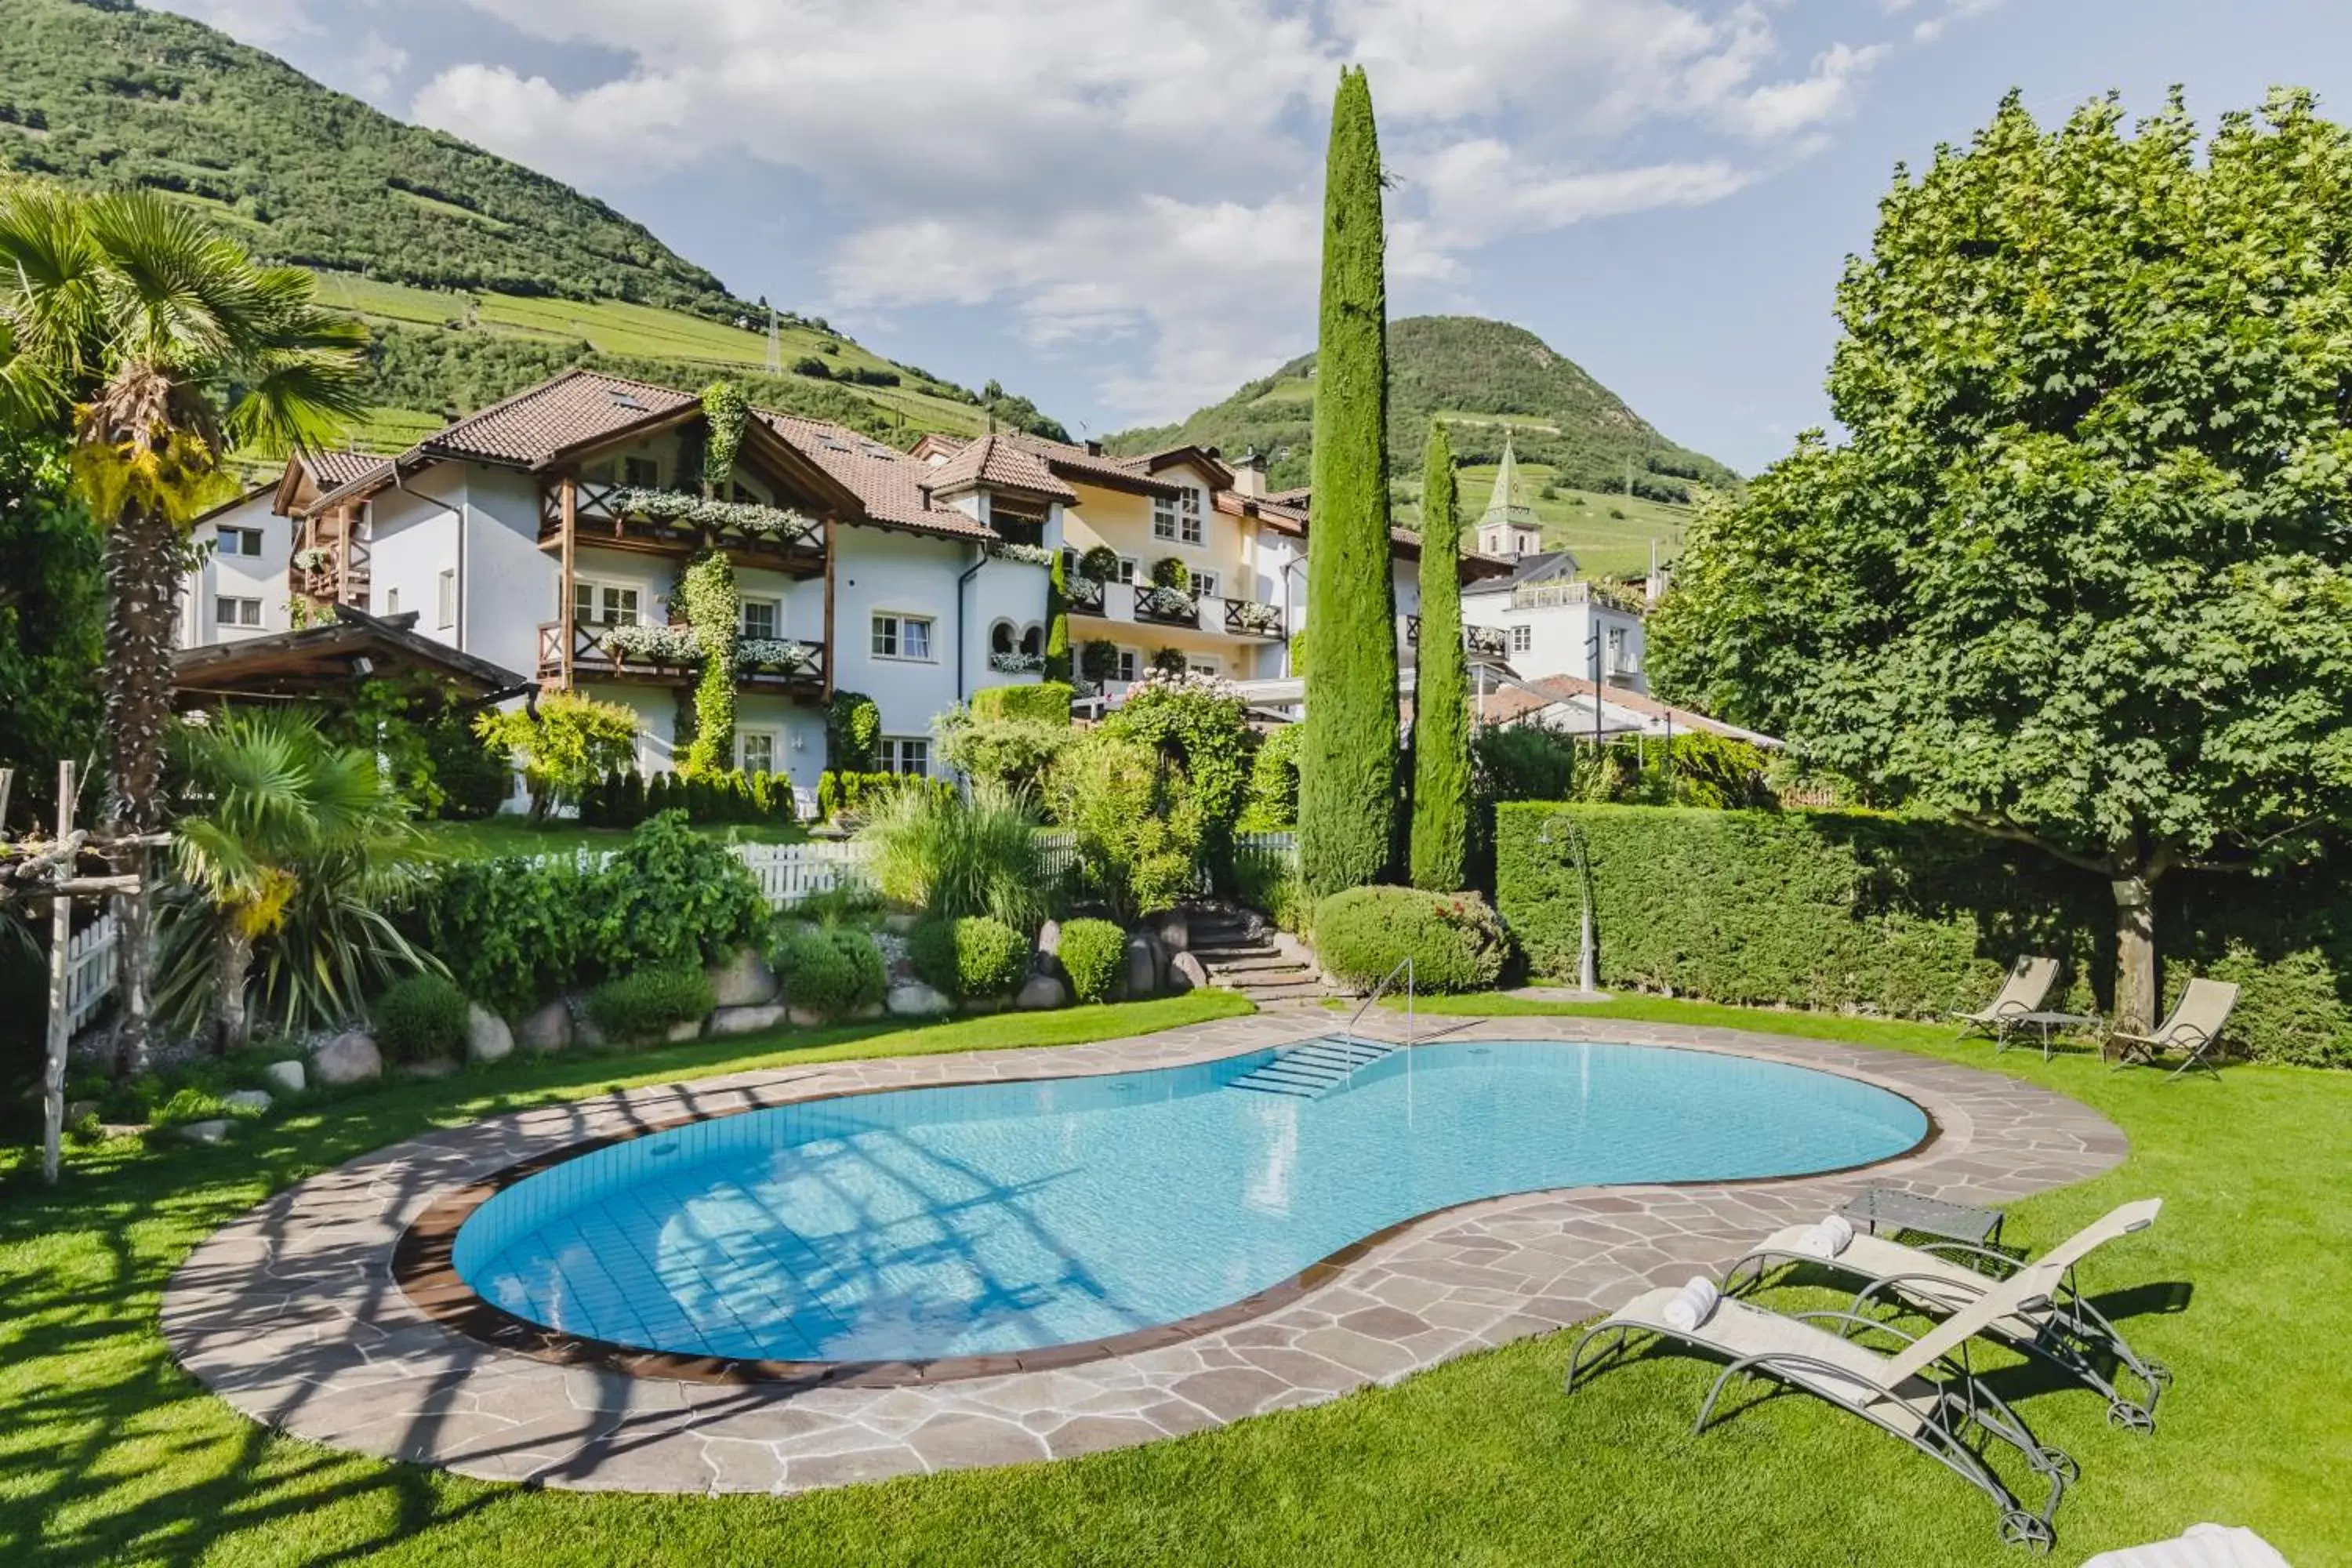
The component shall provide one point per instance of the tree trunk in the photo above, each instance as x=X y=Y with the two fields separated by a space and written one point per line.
x=2135 y=993
x=232 y=961
x=143 y=576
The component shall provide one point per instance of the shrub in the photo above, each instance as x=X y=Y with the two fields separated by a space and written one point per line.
x=1092 y=953
x=1455 y=939
x=644 y=1005
x=853 y=728
x=1048 y=701
x=1099 y=564
x=473 y=778
x=670 y=899
x=1203 y=723
x=953 y=857
x=1011 y=753
x=1168 y=571
x=831 y=970
x=1170 y=661
x=572 y=743
x=1098 y=660
x=1268 y=881
x=190 y=1104
x=970 y=958
x=1135 y=820
x=1271 y=804
x=420 y=1018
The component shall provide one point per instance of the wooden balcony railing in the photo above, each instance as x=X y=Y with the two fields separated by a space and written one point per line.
x=1489 y=642
x=1249 y=619
x=619 y=516
x=803 y=670
x=1167 y=606
x=1085 y=596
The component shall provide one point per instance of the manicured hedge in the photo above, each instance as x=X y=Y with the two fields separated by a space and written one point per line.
x=1453 y=939
x=641 y=1006
x=420 y=1018
x=1048 y=701
x=1092 y=953
x=831 y=970
x=1867 y=912
x=972 y=959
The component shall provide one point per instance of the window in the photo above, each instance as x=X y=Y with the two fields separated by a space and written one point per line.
x=904 y=755
x=1032 y=641
x=1127 y=568
x=445 y=602
x=1204 y=584
x=761 y=617
x=237 y=612
x=1131 y=664
x=1177 y=517
x=1207 y=666
x=643 y=473
x=902 y=637
x=1000 y=638
x=604 y=604
x=1523 y=639
x=1617 y=647
x=747 y=495
x=755 y=751
x=240 y=541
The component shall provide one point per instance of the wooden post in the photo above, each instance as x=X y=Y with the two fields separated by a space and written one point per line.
x=570 y=503
x=832 y=531
x=53 y=1075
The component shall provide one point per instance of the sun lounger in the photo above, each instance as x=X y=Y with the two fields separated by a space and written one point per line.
x=2195 y=1028
x=2027 y=987
x=2199 y=1546
x=1943 y=1417
x=1942 y=1277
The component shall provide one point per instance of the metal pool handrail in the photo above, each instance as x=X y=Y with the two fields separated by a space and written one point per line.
x=1404 y=967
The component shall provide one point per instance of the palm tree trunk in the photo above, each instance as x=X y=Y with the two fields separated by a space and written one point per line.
x=232 y=961
x=143 y=576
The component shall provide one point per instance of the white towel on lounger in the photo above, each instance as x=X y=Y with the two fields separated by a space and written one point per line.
x=1826 y=1239
x=1692 y=1305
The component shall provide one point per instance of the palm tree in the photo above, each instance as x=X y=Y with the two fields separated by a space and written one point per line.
x=276 y=816
x=155 y=343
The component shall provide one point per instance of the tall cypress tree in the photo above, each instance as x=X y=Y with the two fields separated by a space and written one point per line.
x=1347 y=764
x=1057 y=624
x=1441 y=709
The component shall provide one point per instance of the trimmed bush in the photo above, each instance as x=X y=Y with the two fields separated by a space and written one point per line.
x=971 y=959
x=642 y=1005
x=831 y=970
x=1455 y=939
x=1049 y=700
x=420 y=1018
x=1855 y=911
x=1092 y=953
x=670 y=899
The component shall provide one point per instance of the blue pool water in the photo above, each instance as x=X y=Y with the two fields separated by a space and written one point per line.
x=968 y=1220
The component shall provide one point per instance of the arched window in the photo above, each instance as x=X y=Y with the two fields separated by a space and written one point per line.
x=1034 y=640
x=1000 y=638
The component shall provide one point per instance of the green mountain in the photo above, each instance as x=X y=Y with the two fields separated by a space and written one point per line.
x=475 y=275
x=1485 y=379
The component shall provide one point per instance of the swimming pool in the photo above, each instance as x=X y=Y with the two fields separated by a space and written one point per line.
x=980 y=1219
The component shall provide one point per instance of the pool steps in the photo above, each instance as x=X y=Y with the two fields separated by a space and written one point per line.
x=1312 y=1071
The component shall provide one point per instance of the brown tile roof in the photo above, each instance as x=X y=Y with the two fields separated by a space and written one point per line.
x=1513 y=703
x=336 y=468
x=994 y=460
x=579 y=406
x=893 y=486
x=1074 y=462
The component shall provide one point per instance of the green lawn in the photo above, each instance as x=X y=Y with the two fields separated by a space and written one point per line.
x=512 y=834
x=109 y=1455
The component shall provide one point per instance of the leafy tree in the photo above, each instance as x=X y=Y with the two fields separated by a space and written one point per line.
x=2079 y=575
x=52 y=621
x=1347 y=766
x=571 y=744
x=853 y=729
x=1441 y=702
x=155 y=342
x=1136 y=820
x=1200 y=725
x=1057 y=624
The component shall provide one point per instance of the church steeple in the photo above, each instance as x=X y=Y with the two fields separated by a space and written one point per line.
x=1508 y=527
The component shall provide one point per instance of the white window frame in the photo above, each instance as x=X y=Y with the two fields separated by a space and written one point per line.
x=1131 y=664
x=894 y=752
x=237 y=611
x=1523 y=637
x=1129 y=568
x=1178 y=517
x=652 y=483
x=1204 y=664
x=772 y=606
x=743 y=739
x=602 y=593
x=1204 y=584
x=899 y=623
x=223 y=533
x=445 y=600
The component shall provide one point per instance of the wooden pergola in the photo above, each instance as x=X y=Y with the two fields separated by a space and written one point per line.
x=322 y=662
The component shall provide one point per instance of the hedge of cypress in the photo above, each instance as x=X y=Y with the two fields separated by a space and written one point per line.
x=1441 y=703
x=1347 y=766
x=1892 y=915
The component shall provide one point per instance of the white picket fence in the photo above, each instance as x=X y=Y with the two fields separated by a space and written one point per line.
x=89 y=970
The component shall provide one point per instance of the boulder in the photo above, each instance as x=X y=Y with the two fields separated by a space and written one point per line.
x=78 y=1109
x=349 y=1057
x=685 y=1029
x=1174 y=930
x=584 y=1032
x=255 y=1099
x=742 y=980
x=804 y=1017
x=984 y=1003
x=203 y=1131
x=870 y=1012
x=748 y=1019
x=548 y=1029
x=286 y=1077
x=1040 y=992
x=438 y=1067
x=913 y=999
x=1142 y=965
x=1048 y=957
x=1185 y=974
x=487 y=1039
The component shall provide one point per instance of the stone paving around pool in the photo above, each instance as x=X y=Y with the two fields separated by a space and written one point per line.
x=292 y=1314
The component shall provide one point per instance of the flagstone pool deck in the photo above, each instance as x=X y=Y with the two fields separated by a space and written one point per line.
x=293 y=1313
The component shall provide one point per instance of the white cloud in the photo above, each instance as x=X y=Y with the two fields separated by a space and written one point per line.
x=264 y=23
x=1151 y=173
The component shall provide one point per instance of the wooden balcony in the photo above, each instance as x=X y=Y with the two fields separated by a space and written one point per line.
x=1166 y=607
x=804 y=677
x=614 y=517
x=1483 y=642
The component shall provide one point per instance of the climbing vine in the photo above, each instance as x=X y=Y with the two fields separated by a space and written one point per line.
x=853 y=729
x=725 y=410
x=1201 y=724
x=707 y=590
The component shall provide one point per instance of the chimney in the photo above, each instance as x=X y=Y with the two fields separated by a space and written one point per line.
x=1093 y=447
x=1249 y=475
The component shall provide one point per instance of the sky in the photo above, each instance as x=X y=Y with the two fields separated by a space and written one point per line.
x=1112 y=207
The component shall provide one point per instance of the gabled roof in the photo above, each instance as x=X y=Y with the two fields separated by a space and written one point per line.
x=334 y=655
x=1513 y=704
x=893 y=486
x=995 y=462
x=1087 y=467
x=1205 y=459
x=1542 y=567
x=578 y=408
